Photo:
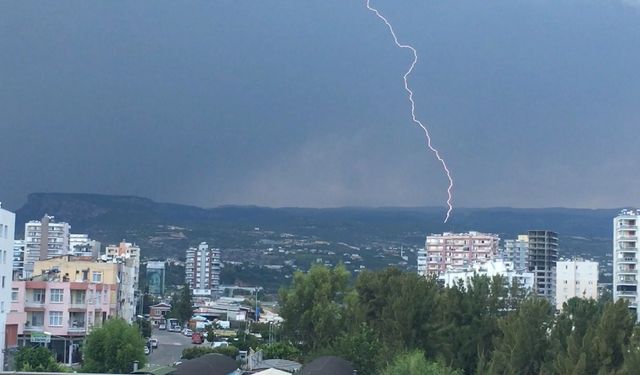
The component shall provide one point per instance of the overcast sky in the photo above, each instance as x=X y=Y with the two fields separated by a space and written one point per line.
x=301 y=103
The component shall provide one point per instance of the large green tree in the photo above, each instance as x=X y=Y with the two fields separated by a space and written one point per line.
x=415 y=363
x=113 y=348
x=182 y=305
x=522 y=345
x=312 y=307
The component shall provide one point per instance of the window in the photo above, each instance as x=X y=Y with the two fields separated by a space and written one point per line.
x=3 y=280
x=2 y=307
x=97 y=277
x=57 y=295
x=55 y=318
x=38 y=295
x=14 y=294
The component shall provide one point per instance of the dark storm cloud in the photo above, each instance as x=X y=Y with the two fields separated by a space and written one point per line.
x=533 y=103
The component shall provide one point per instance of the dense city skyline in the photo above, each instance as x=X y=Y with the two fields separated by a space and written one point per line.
x=533 y=104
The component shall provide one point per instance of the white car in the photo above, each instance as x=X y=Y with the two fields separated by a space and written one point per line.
x=147 y=350
x=154 y=343
x=187 y=332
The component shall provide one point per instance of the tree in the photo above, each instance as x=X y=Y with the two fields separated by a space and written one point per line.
x=280 y=350
x=182 y=305
x=361 y=347
x=38 y=359
x=414 y=363
x=521 y=348
x=312 y=306
x=113 y=348
x=144 y=326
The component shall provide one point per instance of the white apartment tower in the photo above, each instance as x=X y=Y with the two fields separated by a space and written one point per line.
x=456 y=250
x=202 y=270
x=576 y=278
x=7 y=233
x=44 y=239
x=625 y=257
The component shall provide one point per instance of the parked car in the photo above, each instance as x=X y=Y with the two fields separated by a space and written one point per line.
x=187 y=332
x=147 y=350
x=162 y=327
x=154 y=343
x=197 y=338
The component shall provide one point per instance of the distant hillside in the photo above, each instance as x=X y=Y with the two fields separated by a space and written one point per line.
x=167 y=229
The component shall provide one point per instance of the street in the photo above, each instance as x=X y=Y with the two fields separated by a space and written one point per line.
x=170 y=346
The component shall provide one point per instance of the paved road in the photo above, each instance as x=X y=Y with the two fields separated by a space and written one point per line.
x=170 y=346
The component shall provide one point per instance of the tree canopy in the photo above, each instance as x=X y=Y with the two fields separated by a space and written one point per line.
x=113 y=348
x=486 y=326
x=36 y=359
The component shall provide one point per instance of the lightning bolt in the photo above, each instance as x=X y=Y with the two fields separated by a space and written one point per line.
x=413 y=107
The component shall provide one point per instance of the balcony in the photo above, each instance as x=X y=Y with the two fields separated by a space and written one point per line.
x=34 y=304
x=31 y=328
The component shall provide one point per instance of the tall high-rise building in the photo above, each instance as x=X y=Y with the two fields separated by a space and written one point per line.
x=202 y=270
x=44 y=239
x=7 y=233
x=576 y=278
x=517 y=252
x=456 y=250
x=543 y=256
x=625 y=257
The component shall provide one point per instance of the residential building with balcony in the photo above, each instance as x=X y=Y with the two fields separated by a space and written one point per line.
x=202 y=270
x=127 y=256
x=576 y=278
x=517 y=252
x=7 y=233
x=19 y=247
x=82 y=245
x=543 y=256
x=60 y=307
x=44 y=239
x=456 y=251
x=625 y=257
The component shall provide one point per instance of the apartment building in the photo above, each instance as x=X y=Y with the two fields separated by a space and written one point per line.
x=202 y=270
x=81 y=245
x=517 y=252
x=625 y=257
x=523 y=278
x=127 y=256
x=7 y=233
x=19 y=247
x=44 y=239
x=543 y=256
x=61 y=307
x=576 y=278
x=456 y=251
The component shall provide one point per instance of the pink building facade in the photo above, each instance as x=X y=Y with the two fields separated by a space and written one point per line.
x=65 y=311
x=457 y=250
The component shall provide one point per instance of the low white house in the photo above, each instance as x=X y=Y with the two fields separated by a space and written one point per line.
x=490 y=269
